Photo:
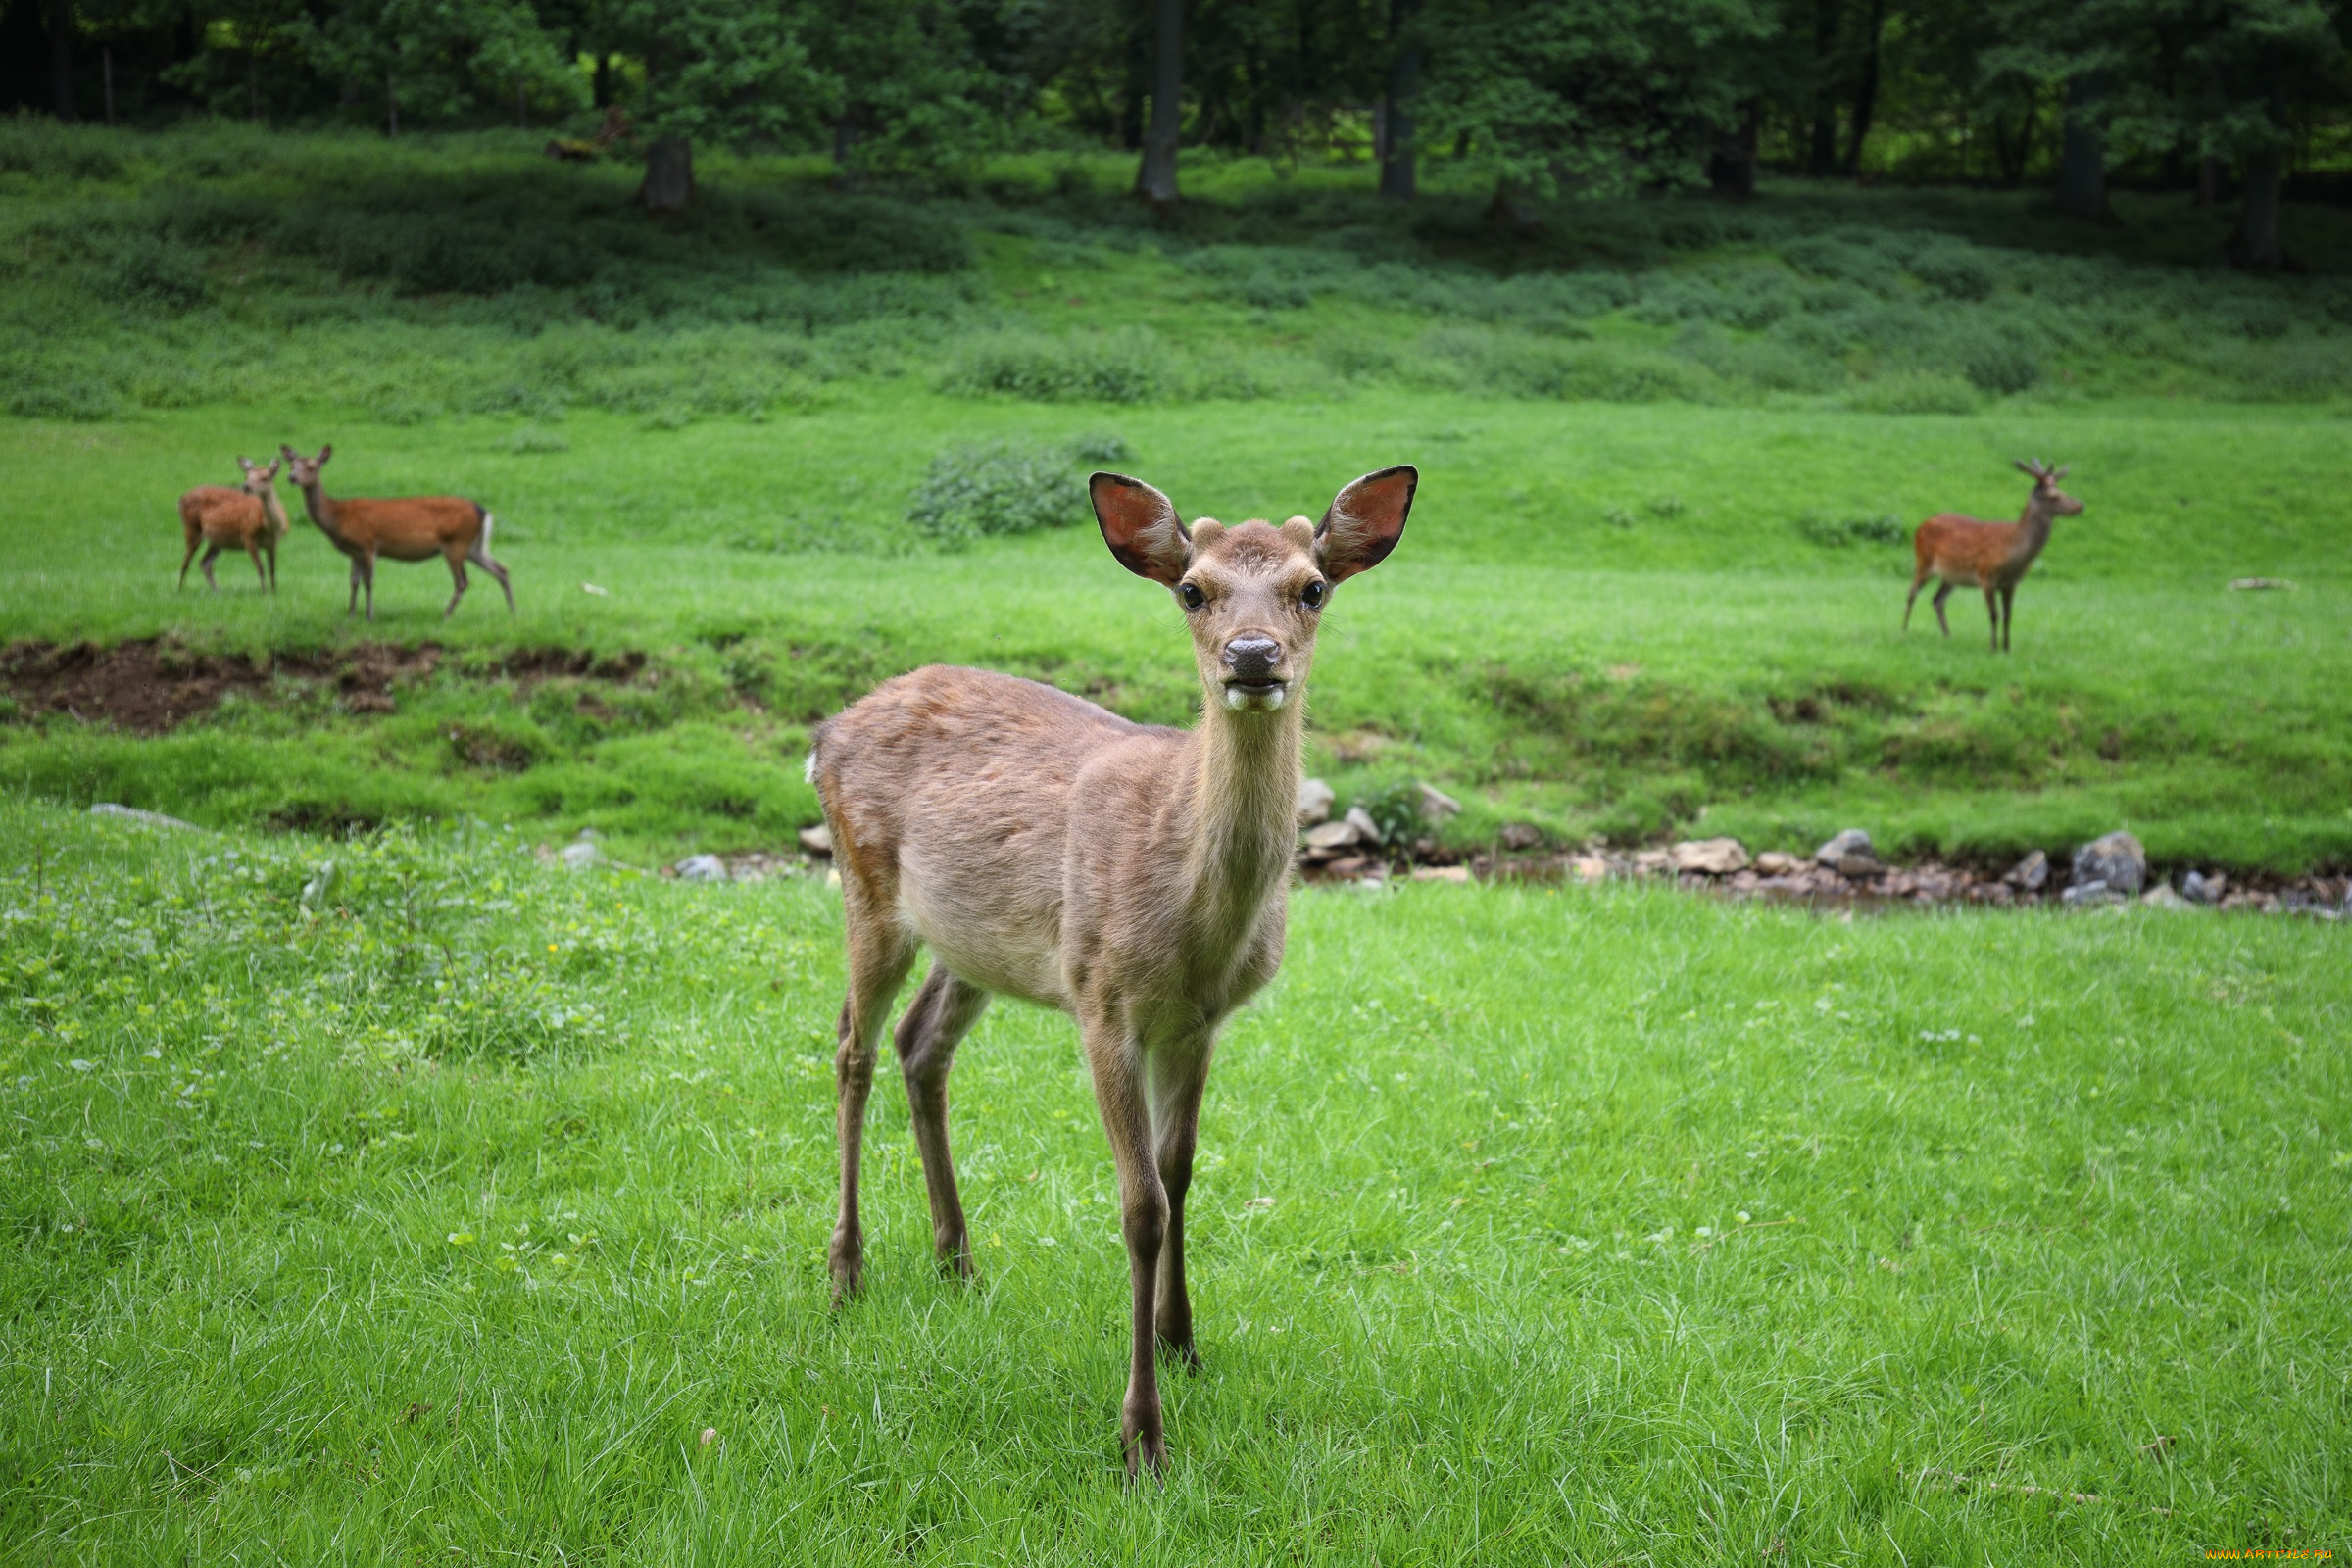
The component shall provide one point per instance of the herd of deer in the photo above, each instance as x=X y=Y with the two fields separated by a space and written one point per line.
x=1133 y=876
x=250 y=516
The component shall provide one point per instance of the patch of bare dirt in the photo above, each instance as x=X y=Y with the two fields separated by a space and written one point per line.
x=152 y=685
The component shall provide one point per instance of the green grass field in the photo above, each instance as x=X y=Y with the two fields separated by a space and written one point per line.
x=440 y=1220
x=1604 y=618
x=438 y=1212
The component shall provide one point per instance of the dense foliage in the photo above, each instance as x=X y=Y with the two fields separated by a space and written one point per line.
x=1531 y=95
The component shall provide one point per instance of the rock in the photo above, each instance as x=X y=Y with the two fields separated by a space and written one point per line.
x=2091 y=894
x=580 y=854
x=589 y=835
x=1327 y=838
x=1351 y=865
x=1649 y=863
x=2030 y=874
x=1713 y=856
x=1440 y=873
x=1852 y=842
x=1521 y=835
x=702 y=868
x=1437 y=805
x=2205 y=889
x=818 y=840
x=2162 y=897
x=1367 y=831
x=1777 y=862
x=1590 y=868
x=2116 y=859
x=131 y=813
x=1863 y=864
x=1316 y=800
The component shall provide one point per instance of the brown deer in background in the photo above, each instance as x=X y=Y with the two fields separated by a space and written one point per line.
x=1967 y=553
x=249 y=517
x=1133 y=876
x=413 y=528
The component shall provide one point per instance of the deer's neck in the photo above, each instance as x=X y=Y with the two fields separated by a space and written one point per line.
x=1245 y=813
x=275 y=510
x=316 y=502
x=2032 y=531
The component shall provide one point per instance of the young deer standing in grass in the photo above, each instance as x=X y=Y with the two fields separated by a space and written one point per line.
x=412 y=529
x=249 y=517
x=1133 y=876
x=1966 y=553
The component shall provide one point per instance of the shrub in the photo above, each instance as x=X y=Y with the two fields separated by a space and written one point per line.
x=1841 y=533
x=37 y=145
x=1129 y=365
x=1956 y=271
x=1999 y=363
x=1916 y=392
x=1842 y=261
x=141 y=268
x=1004 y=487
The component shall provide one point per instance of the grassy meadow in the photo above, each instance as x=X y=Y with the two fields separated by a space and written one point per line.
x=439 y=1215
x=437 y=1207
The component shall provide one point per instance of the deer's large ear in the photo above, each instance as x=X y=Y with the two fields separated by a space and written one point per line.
x=1365 y=522
x=287 y=450
x=1140 y=527
x=325 y=451
x=247 y=463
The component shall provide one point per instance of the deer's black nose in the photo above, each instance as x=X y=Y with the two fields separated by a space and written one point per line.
x=1251 y=657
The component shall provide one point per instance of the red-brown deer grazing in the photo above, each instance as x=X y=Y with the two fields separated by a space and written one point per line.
x=249 y=517
x=412 y=529
x=1967 y=553
x=1133 y=876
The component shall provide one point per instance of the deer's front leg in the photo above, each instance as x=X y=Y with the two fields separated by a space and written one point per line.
x=1117 y=1062
x=1177 y=1078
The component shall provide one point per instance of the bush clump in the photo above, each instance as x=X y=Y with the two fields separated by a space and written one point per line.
x=1006 y=487
x=1844 y=534
x=1916 y=392
x=1129 y=366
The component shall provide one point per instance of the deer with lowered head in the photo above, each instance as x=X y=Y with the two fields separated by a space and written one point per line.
x=247 y=515
x=1968 y=553
x=1133 y=876
x=412 y=528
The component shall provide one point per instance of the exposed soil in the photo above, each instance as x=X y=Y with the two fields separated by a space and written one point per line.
x=152 y=685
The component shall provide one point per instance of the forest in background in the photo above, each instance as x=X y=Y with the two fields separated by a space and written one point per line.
x=2240 y=101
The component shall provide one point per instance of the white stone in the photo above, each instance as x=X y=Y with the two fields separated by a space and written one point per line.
x=1340 y=835
x=1316 y=800
x=1852 y=842
x=1440 y=873
x=1714 y=857
x=1367 y=830
x=818 y=840
x=702 y=868
x=581 y=853
x=1437 y=805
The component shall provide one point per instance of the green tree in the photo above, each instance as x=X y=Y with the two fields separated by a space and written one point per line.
x=1598 y=96
x=723 y=70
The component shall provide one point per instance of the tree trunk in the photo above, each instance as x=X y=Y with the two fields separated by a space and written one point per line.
x=845 y=141
x=1866 y=91
x=600 y=84
x=2212 y=176
x=2083 y=156
x=522 y=109
x=1824 y=158
x=61 y=58
x=1139 y=88
x=1399 y=159
x=1155 y=180
x=668 y=175
x=1732 y=171
x=105 y=58
x=2257 y=247
x=391 y=107
x=252 y=85
x=1510 y=210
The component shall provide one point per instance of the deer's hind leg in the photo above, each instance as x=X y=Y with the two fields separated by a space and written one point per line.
x=881 y=951
x=457 y=576
x=211 y=552
x=1943 y=591
x=942 y=1013
x=1992 y=611
x=479 y=555
x=1919 y=580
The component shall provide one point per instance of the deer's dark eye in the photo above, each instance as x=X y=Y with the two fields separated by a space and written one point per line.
x=1313 y=595
x=1192 y=595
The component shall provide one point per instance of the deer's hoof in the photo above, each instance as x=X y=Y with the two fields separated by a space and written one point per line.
x=844 y=1260
x=1148 y=1457
x=1181 y=1351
